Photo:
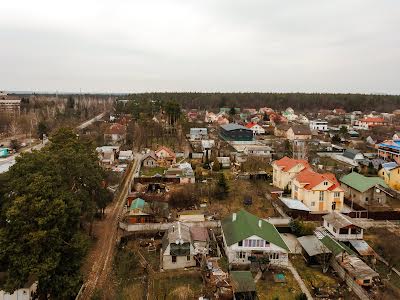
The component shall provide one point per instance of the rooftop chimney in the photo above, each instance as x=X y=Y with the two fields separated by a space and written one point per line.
x=233 y=217
x=259 y=223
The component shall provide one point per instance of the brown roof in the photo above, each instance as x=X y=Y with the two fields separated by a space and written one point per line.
x=116 y=129
x=199 y=233
x=301 y=130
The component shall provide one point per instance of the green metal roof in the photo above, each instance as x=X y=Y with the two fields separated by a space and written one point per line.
x=360 y=182
x=138 y=203
x=335 y=246
x=242 y=281
x=246 y=225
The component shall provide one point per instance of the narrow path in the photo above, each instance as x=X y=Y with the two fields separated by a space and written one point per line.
x=300 y=281
x=102 y=252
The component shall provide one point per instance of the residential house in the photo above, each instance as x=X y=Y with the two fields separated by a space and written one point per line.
x=210 y=117
x=150 y=160
x=177 y=248
x=285 y=169
x=198 y=134
x=357 y=269
x=281 y=130
x=10 y=105
x=351 y=156
x=299 y=132
x=221 y=120
x=165 y=156
x=26 y=292
x=369 y=122
x=342 y=227
x=235 y=132
x=390 y=173
x=200 y=239
x=107 y=155
x=303 y=120
x=339 y=111
x=183 y=171
x=389 y=150
x=125 y=155
x=258 y=150
x=246 y=236
x=289 y=114
x=115 y=134
x=319 y=125
x=320 y=192
x=256 y=128
x=139 y=212
x=207 y=144
x=364 y=190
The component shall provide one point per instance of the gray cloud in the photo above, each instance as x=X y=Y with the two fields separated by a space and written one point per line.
x=224 y=45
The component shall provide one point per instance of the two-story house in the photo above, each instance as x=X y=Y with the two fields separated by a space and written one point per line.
x=320 y=192
x=285 y=169
x=390 y=173
x=246 y=237
x=256 y=128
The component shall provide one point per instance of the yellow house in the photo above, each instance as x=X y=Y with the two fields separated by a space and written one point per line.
x=285 y=169
x=390 y=172
x=299 y=132
x=320 y=192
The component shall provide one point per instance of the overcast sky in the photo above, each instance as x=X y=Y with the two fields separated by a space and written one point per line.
x=202 y=45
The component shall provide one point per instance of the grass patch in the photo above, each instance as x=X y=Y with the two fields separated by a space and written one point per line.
x=146 y=171
x=153 y=258
x=314 y=277
x=169 y=285
x=268 y=289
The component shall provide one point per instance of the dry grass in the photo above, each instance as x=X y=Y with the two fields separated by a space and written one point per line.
x=268 y=289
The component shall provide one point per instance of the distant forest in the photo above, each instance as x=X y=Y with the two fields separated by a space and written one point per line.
x=279 y=101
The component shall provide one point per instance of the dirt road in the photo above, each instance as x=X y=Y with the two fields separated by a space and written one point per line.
x=101 y=256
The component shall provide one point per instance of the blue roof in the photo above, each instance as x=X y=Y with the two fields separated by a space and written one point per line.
x=397 y=146
x=390 y=165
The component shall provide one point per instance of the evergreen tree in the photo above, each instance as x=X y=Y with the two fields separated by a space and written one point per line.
x=222 y=186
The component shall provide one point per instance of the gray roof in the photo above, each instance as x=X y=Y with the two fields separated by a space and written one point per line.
x=294 y=204
x=390 y=166
x=234 y=126
x=312 y=245
x=339 y=220
x=351 y=153
x=176 y=232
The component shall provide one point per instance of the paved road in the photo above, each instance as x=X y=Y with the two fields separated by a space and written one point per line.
x=103 y=251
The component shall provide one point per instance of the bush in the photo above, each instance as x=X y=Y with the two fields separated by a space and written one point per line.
x=185 y=197
x=300 y=228
x=301 y=296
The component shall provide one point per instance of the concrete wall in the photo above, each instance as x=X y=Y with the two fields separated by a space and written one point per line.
x=181 y=262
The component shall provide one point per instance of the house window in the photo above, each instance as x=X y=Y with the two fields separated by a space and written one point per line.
x=240 y=255
x=246 y=243
x=366 y=199
x=313 y=203
x=188 y=258
x=266 y=244
x=325 y=182
x=334 y=230
x=296 y=188
x=366 y=281
x=336 y=194
x=174 y=259
x=321 y=196
x=240 y=244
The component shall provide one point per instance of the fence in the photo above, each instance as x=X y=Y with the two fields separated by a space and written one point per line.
x=358 y=290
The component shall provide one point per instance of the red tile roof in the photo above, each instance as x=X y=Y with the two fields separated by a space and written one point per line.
x=251 y=124
x=116 y=129
x=288 y=163
x=168 y=150
x=312 y=179
x=373 y=120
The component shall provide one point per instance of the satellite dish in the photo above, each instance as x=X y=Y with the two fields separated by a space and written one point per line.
x=177 y=242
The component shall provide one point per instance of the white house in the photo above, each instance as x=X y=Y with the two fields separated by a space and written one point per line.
x=319 y=125
x=258 y=150
x=342 y=227
x=24 y=293
x=247 y=237
x=198 y=134
x=256 y=128
x=177 y=248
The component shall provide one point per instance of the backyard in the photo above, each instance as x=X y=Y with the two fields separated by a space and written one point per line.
x=174 y=285
x=268 y=289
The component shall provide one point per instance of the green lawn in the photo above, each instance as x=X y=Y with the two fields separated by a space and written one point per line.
x=145 y=171
x=268 y=289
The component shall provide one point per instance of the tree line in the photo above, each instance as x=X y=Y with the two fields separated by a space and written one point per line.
x=298 y=101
